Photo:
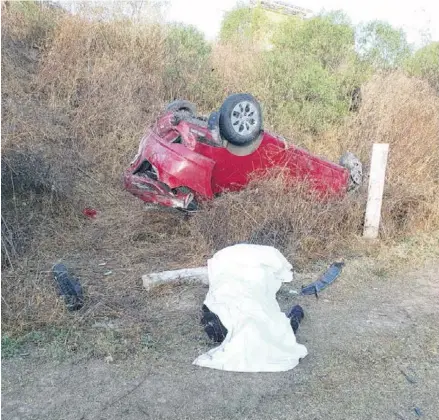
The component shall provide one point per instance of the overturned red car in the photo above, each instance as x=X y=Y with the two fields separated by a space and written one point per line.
x=185 y=158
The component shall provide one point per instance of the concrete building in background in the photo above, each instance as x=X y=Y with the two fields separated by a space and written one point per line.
x=279 y=8
x=276 y=12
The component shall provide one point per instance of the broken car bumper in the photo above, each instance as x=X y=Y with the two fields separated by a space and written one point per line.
x=156 y=192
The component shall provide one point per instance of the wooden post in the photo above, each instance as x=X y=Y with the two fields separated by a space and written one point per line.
x=376 y=189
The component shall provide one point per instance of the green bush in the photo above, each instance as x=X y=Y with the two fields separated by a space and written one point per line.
x=307 y=76
x=425 y=64
x=327 y=38
x=310 y=73
x=383 y=46
x=244 y=24
x=303 y=94
x=187 y=64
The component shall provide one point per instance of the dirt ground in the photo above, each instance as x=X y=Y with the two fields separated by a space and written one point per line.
x=373 y=343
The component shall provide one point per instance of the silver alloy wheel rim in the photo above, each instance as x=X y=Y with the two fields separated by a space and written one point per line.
x=245 y=118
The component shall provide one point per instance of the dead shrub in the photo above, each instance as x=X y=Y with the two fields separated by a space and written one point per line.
x=39 y=163
x=28 y=172
x=290 y=218
x=236 y=66
x=35 y=186
x=29 y=21
x=110 y=94
x=403 y=112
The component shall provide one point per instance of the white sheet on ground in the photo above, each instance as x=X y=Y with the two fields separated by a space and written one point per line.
x=243 y=281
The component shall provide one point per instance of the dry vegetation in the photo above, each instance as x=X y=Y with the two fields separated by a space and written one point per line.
x=403 y=112
x=397 y=110
x=76 y=96
x=303 y=227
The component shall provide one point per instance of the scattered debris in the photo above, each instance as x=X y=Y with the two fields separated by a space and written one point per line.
x=102 y=264
x=69 y=287
x=108 y=273
x=418 y=411
x=148 y=341
x=409 y=378
x=324 y=281
x=293 y=292
x=90 y=213
x=109 y=359
x=295 y=315
x=107 y=325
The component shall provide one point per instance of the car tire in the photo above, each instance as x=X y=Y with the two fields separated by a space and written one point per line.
x=240 y=120
x=355 y=168
x=182 y=105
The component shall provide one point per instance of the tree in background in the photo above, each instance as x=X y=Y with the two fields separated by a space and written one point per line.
x=328 y=38
x=187 y=64
x=425 y=64
x=307 y=77
x=321 y=69
x=383 y=46
x=244 y=24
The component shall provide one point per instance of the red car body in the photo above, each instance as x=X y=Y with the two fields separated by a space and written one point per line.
x=182 y=160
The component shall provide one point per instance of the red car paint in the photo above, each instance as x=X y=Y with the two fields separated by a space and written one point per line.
x=185 y=154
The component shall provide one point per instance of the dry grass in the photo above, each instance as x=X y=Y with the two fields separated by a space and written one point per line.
x=128 y=240
x=235 y=74
x=109 y=95
x=403 y=112
x=76 y=97
x=304 y=227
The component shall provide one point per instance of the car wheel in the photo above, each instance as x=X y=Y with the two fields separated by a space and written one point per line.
x=240 y=120
x=182 y=105
x=355 y=168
